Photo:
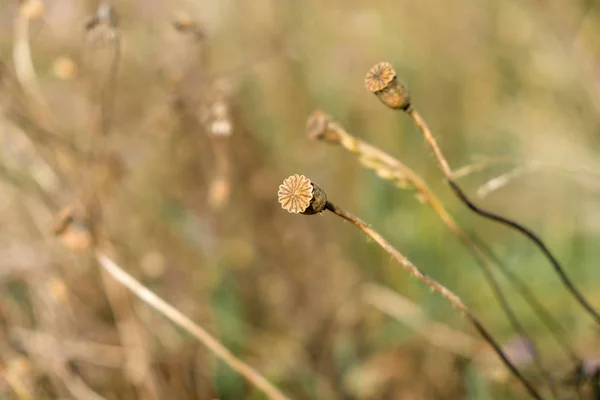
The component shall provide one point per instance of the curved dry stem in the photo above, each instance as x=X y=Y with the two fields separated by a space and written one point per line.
x=176 y=317
x=391 y=169
x=24 y=69
x=436 y=287
x=444 y=166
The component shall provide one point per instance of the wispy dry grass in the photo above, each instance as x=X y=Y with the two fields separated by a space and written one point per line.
x=120 y=139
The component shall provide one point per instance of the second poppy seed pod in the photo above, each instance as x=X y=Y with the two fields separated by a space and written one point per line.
x=383 y=82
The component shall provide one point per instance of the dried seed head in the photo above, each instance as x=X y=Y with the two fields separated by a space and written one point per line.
x=295 y=193
x=383 y=82
x=298 y=195
x=318 y=127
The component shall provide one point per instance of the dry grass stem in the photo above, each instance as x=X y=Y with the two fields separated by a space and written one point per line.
x=436 y=287
x=176 y=317
x=24 y=69
x=89 y=352
x=132 y=338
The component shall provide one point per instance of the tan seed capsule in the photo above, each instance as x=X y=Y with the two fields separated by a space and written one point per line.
x=383 y=82
x=298 y=195
x=295 y=193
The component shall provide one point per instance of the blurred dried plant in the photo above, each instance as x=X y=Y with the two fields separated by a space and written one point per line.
x=322 y=127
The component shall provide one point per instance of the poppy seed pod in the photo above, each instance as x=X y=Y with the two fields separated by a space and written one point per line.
x=383 y=82
x=298 y=195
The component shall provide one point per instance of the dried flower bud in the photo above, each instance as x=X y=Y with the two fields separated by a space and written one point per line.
x=382 y=80
x=318 y=127
x=298 y=195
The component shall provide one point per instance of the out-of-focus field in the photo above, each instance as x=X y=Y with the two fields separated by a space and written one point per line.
x=172 y=133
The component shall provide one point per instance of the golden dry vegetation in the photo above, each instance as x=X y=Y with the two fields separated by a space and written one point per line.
x=151 y=137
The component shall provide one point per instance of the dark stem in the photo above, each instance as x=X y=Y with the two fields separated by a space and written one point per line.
x=534 y=238
x=556 y=329
x=518 y=327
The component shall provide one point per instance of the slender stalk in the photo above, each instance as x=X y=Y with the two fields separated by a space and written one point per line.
x=559 y=333
x=322 y=127
x=444 y=166
x=437 y=287
x=176 y=317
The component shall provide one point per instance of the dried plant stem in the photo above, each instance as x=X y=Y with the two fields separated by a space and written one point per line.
x=189 y=326
x=439 y=156
x=444 y=166
x=390 y=168
x=25 y=70
x=437 y=287
x=559 y=333
x=26 y=76
x=132 y=339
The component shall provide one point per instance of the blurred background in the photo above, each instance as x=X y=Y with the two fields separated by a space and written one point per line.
x=160 y=131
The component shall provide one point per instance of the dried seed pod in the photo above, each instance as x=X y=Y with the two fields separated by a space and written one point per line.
x=318 y=127
x=298 y=195
x=383 y=82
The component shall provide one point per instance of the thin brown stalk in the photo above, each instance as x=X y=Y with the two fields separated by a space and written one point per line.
x=102 y=59
x=132 y=338
x=445 y=167
x=24 y=68
x=36 y=105
x=89 y=352
x=438 y=288
x=322 y=127
x=183 y=322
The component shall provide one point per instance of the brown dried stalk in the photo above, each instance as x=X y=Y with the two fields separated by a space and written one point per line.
x=292 y=196
x=322 y=127
x=24 y=68
x=183 y=322
x=391 y=100
x=102 y=59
